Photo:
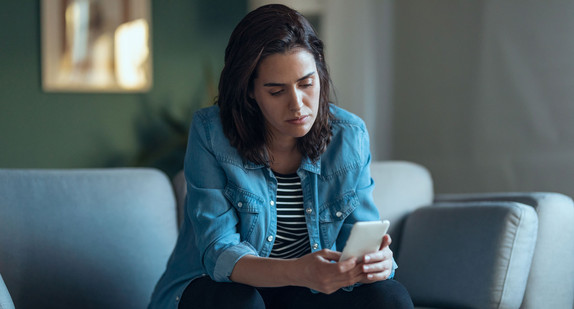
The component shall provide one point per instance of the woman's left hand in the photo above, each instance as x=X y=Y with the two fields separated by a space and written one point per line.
x=378 y=266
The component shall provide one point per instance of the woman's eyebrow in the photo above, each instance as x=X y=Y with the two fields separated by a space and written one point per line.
x=280 y=84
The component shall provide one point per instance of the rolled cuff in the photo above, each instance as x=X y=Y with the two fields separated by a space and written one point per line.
x=228 y=258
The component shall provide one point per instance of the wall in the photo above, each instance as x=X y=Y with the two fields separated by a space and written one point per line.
x=360 y=60
x=483 y=93
x=73 y=130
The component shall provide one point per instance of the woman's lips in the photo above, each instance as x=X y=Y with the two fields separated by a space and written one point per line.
x=298 y=120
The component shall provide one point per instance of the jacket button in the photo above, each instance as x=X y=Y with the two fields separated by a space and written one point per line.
x=239 y=204
x=338 y=214
x=315 y=246
x=272 y=203
x=309 y=210
x=270 y=238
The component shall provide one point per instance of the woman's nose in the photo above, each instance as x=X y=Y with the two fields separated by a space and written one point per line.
x=296 y=101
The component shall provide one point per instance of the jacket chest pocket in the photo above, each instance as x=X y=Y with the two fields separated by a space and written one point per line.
x=333 y=213
x=248 y=207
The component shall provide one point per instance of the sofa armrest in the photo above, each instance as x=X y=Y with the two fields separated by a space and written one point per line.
x=5 y=299
x=461 y=255
x=551 y=279
x=85 y=238
x=400 y=188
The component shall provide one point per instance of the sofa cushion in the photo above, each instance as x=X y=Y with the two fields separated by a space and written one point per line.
x=551 y=280
x=468 y=255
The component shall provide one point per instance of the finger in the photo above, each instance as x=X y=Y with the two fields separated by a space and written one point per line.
x=379 y=276
x=376 y=267
x=386 y=241
x=345 y=273
x=378 y=256
x=329 y=254
x=353 y=276
x=383 y=273
x=348 y=265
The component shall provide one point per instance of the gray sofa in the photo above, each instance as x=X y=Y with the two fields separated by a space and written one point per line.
x=470 y=250
x=84 y=238
x=101 y=238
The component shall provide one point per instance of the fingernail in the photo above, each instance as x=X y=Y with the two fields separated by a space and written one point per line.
x=367 y=258
x=370 y=276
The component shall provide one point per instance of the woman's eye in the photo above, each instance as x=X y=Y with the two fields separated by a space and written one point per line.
x=276 y=93
x=306 y=83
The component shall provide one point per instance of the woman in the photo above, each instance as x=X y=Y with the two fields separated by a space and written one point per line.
x=276 y=177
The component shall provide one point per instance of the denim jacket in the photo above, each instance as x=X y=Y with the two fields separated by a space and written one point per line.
x=230 y=205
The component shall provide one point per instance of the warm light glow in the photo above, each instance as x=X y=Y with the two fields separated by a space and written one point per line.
x=77 y=17
x=88 y=55
x=96 y=45
x=132 y=53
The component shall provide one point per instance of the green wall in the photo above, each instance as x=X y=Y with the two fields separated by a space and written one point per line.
x=79 y=130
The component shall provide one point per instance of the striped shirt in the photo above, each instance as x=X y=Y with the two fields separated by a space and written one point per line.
x=292 y=239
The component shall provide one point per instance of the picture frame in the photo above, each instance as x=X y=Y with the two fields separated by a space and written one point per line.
x=96 y=45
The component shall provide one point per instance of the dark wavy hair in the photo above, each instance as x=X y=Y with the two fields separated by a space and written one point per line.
x=268 y=30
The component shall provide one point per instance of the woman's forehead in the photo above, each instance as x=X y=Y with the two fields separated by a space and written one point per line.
x=286 y=67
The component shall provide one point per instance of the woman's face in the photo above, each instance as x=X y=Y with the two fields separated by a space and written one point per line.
x=287 y=90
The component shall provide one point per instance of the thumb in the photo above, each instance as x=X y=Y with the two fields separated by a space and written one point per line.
x=329 y=255
x=386 y=241
x=335 y=256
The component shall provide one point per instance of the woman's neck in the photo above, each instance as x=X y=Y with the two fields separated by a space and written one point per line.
x=285 y=159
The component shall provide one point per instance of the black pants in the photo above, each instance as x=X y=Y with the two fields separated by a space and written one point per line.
x=206 y=293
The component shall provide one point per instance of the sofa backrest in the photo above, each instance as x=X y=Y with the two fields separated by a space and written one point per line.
x=93 y=238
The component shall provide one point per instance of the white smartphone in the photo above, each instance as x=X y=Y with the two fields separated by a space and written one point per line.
x=365 y=237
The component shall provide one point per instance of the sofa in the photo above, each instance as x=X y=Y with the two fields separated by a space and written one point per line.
x=100 y=238
x=481 y=250
x=84 y=238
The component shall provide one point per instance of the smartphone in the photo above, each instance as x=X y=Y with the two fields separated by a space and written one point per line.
x=365 y=237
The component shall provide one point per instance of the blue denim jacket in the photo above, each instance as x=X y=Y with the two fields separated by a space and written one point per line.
x=230 y=205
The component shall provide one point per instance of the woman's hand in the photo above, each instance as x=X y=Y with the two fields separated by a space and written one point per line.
x=324 y=276
x=378 y=266
x=319 y=273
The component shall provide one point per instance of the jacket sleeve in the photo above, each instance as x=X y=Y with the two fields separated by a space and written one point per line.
x=363 y=184
x=213 y=218
x=367 y=209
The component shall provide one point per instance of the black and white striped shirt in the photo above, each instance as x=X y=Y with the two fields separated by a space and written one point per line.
x=292 y=239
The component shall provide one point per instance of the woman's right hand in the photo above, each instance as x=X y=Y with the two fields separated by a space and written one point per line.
x=318 y=271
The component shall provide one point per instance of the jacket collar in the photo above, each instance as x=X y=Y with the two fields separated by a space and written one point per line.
x=310 y=166
x=306 y=164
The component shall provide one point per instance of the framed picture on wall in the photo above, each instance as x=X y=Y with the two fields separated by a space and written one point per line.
x=96 y=45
